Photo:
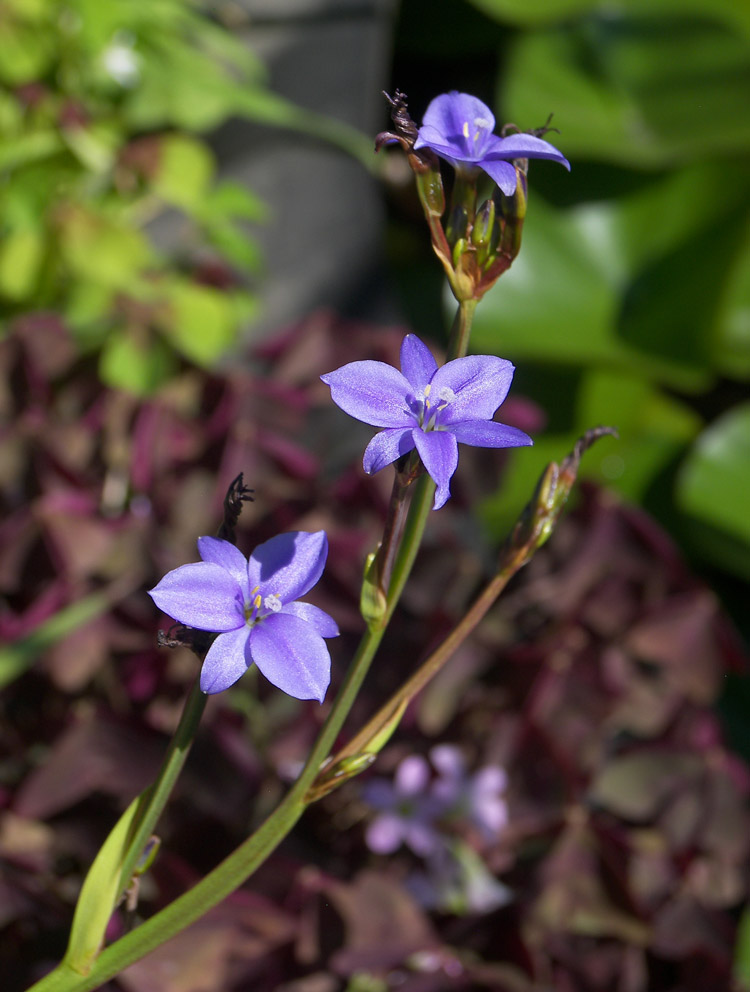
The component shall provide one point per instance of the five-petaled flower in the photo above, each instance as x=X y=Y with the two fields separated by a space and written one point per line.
x=458 y=127
x=252 y=605
x=427 y=408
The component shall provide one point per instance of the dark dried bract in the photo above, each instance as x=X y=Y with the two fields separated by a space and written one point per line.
x=237 y=494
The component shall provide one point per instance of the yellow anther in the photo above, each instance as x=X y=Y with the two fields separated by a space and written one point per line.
x=466 y=129
x=257 y=602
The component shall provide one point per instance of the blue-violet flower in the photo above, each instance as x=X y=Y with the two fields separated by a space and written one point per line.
x=252 y=605
x=427 y=407
x=406 y=810
x=458 y=127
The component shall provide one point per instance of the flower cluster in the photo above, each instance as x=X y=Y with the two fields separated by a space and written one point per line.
x=427 y=408
x=412 y=806
x=422 y=811
x=253 y=606
x=480 y=238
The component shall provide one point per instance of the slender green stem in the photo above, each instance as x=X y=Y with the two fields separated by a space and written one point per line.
x=458 y=343
x=154 y=799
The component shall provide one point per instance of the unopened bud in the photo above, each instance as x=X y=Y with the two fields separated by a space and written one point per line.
x=513 y=212
x=483 y=231
x=458 y=225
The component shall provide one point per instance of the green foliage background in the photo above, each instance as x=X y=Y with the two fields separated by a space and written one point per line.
x=631 y=296
x=102 y=110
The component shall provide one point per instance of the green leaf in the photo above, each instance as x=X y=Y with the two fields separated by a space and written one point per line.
x=741 y=969
x=99 y=894
x=16 y=658
x=561 y=299
x=201 y=325
x=640 y=92
x=21 y=256
x=186 y=168
x=533 y=11
x=654 y=429
x=714 y=481
x=100 y=248
x=27 y=52
x=136 y=362
x=671 y=309
x=732 y=345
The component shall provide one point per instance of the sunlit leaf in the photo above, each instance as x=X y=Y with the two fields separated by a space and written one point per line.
x=714 y=482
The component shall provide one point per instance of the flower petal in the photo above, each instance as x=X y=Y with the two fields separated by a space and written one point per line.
x=386 y=447
x=439 y=453
x=480 y=384
x=522 y=145
x=385 y=834
x=319 y=620
x=430 y=137
x=502 y=173
x=288 y=565
x=458 y=118
x=489 y=434
x=417 y=362
x=292 y=656
x=230 y=558
x=372 y=392
x=202 y=595
x=412 y=776
x=226 y=661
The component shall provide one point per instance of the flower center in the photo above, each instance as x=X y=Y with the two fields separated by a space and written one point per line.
x=431 y=407
x=257 y=608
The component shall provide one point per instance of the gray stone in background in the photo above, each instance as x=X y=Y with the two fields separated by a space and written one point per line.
x=323 y=241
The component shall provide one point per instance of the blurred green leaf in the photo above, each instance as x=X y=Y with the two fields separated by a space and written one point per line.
x=741 y=970
x=101 y=248
x=561 y=299
x=135 y=361
x=16 y=658
x=201 y=324
x=672 y=307
x=535 y=12
x=185 y=171
x=531 y=12
x=27 y=52
x=641 y=92
x=654 y=429
x=733 y=331
x=21 y=255
x=714 y=481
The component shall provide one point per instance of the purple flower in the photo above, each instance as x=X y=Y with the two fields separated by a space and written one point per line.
x=427 y=407
x=478 y=797
x=253 y=607
x=458 y=128
x=407 y=811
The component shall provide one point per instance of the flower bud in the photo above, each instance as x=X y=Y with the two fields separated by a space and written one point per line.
x=457 y=227
x=483 y=231
x=513 y=212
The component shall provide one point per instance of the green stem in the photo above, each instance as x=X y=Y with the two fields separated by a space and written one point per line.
x=458 y=342
x=154 y=799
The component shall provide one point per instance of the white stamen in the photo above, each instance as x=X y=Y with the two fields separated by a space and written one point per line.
x=446 y=395
x=272 y=603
